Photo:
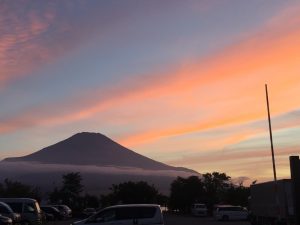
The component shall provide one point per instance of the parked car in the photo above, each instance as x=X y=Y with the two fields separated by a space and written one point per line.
x=87 y=212
x=5 y=210
x=46 y=217
x=145 y=214
x=5 y=220
x=199 y=209
x=52 y=213
x=28 y=208
x=230 y=212
x=64 y=209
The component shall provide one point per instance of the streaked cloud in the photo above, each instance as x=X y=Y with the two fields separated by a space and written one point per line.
x=214 y=96
x=225 y=71
x=35 y=34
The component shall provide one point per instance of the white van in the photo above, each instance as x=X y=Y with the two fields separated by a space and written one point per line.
x=28 y=208
x=145 y=214
x=230 y=212
x=199 y=209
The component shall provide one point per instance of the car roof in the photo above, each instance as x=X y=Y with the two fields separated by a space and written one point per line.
x=227 y=206
x=133 y=205
x=18 y=199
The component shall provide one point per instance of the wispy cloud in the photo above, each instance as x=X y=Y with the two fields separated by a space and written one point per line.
x=34 y=34
x=224 y=82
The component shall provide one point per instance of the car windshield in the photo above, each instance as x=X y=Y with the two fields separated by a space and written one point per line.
x=5 y=207
x=66 y=207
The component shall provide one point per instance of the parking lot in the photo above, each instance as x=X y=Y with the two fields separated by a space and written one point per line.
x=171 y=219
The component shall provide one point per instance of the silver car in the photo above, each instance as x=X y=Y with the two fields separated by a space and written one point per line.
x=145 y=214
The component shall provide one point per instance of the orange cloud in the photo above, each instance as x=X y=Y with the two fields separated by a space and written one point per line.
x=225 y=83
x=254 y=163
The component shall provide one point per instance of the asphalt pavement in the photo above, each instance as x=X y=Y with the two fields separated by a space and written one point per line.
x=173 y=219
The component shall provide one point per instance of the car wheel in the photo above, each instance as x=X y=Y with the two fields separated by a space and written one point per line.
x=225 y=218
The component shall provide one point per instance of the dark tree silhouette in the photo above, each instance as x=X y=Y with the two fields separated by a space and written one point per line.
x=70 y=191
x=90 y=201
x=212 y=188
x=131 y=192
x=215 y=185
x=185 y=192
x=72 y=183
x=238 y=195
x=15 y=189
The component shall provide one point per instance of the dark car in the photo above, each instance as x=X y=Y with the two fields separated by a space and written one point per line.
x=87 y=212
x=51 y=210
x=46 y=217
x=5 y=220
x=5 y=210
x=65 y=210
x=28 y=208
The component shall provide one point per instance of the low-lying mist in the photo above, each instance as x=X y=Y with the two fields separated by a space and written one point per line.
x=96 y=179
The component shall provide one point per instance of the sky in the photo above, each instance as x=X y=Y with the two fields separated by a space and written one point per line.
x=181 y=82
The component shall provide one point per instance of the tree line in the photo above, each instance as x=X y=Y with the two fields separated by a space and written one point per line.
x=211 y=188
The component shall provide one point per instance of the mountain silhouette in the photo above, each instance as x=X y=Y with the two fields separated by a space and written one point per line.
x=93 y=149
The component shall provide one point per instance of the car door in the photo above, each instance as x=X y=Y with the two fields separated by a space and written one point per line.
x=148 y=215
x=127 y=215
x=238 y=213
x=231 y=213
x=243 y=213
x=109 y=217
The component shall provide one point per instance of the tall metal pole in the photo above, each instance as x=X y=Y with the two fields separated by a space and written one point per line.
x=273 y=159
x=271 y=136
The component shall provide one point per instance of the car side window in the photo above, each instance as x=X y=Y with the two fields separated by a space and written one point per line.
x=146 y=212
x=236 y=209
x=126 y=213
x=29 y=208
x=16 y=206
x=3 y=209
x=103 y=216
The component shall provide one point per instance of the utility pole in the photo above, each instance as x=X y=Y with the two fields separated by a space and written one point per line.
x=271 y=136
x=273 y=157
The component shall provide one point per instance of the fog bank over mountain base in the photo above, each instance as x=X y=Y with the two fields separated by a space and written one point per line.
x=96 y=179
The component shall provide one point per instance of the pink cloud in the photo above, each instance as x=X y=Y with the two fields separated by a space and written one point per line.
x=18 y=51
x=39 y=34
x=220 y=78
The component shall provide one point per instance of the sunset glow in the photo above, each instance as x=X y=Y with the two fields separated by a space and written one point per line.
x=182 y=83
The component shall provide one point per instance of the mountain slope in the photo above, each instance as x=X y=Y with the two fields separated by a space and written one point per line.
x=93 y=149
